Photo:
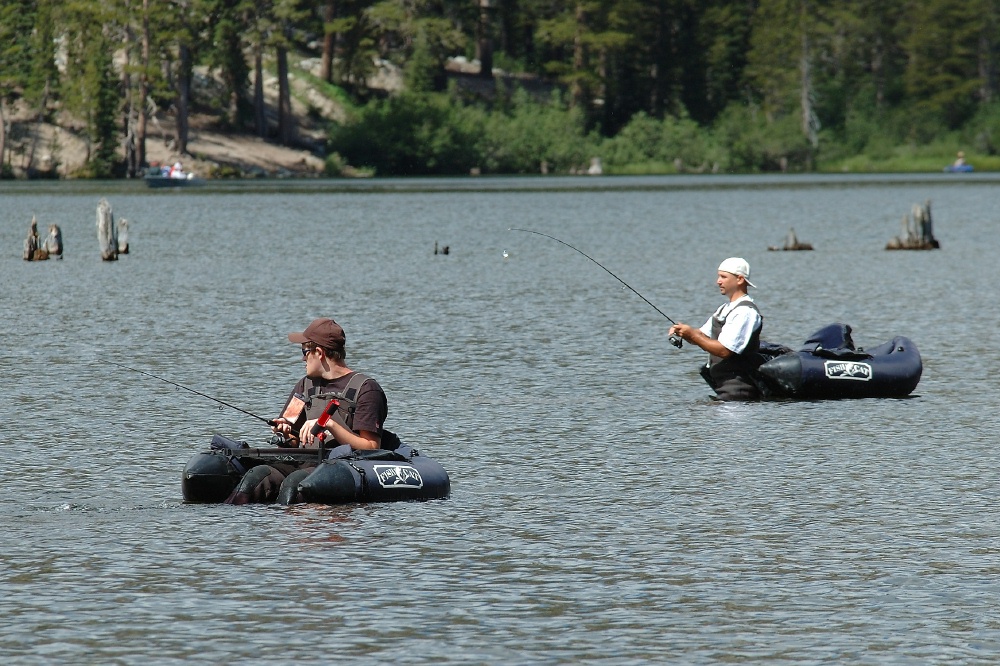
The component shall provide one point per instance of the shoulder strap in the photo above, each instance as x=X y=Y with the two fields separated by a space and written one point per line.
x=357 y=380
x=310 y=389
x=345 y=415
x=746 y=304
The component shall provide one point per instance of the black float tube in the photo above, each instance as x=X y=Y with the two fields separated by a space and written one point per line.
x=269 y=422
x=674 y=340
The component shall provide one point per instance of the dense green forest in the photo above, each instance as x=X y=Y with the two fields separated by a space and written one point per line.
x=649 y=86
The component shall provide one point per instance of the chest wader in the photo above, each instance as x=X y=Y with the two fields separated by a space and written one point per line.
x=732 y=378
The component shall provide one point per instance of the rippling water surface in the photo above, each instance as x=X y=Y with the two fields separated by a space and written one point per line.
x=603 y=509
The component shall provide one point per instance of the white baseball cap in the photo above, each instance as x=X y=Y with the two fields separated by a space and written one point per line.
x=737 y=266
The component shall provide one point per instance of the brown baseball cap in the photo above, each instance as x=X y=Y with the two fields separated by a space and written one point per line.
x=323 y=332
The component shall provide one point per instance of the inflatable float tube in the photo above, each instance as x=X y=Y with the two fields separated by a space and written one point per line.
x=344 y=476
x=829 y=366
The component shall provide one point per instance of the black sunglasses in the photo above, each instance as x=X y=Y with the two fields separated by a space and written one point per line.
x=306 y=350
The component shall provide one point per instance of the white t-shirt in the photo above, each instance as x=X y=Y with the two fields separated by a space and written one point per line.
x=739 y=326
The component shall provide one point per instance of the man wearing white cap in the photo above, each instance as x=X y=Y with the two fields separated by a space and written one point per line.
x=731 y=336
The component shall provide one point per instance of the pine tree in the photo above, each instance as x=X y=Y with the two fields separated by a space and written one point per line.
x=942 y=44
x=15 y=25
x=229 y=21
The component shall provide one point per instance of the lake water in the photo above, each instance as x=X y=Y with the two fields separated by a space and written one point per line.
x=603 y=509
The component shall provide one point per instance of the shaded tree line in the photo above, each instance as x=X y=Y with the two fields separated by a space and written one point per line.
x=809 y=70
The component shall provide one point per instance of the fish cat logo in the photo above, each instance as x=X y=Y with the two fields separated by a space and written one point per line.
x=848 y=370
x=398 y=476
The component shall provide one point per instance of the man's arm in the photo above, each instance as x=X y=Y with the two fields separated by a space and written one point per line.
x=696 y=337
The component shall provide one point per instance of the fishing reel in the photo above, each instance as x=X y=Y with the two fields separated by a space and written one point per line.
x=280 y=441
x=676 y=342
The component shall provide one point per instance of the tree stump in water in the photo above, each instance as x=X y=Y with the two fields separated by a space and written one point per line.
x=53 y=242
x=107 y=235
x=792 y=243
x=123 y=236
x=917 y=231
x=33 y=250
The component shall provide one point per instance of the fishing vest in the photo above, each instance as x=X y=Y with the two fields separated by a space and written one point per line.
x=747 y=360
x=316 y=397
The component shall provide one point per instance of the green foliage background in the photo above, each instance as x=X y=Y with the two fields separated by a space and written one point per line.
x=647 y=86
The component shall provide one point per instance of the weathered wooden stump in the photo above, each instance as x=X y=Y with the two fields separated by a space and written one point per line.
x=33 y=250
x=107 y=234
x=31 y=242
x=917 y=230
x=123 y=236
x=792 y=243
x=53 y=242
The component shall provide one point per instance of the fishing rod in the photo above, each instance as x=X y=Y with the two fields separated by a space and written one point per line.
x=674 y=340
x=269 y=422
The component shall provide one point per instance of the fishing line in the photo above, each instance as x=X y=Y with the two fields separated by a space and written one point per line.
x=269 y=422
x=675 y=341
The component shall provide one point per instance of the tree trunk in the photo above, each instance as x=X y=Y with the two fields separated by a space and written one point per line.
x=878 y=72
x=129 y=108
x=285 y=129
x=140 y=130
x=329 y=40
x=484 y=39
x=659 y=67
x=259 y=110
x=39 y=119
x=183 y=97
x=810 y=123
x=987 y=68
x=579 y=57
x=3 y=134
x=131 y=160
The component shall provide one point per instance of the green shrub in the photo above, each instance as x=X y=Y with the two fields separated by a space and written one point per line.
x=526 y=136
x=983 y=131
x=409 y=134
x=750 y=143
x=673 y=143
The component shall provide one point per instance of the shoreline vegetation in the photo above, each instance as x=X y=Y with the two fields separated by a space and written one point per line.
x=385 y=88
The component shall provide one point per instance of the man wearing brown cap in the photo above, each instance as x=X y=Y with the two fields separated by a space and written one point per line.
x=731 y=336
x=358 y=425
x=357 y=422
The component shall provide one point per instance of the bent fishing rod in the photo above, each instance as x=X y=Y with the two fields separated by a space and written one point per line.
x=674 y=340
x=269 y=422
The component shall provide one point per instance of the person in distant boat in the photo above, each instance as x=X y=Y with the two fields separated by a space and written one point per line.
x=323 y=350
x=959 y=161
x=731 y=336
x=177 y=171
